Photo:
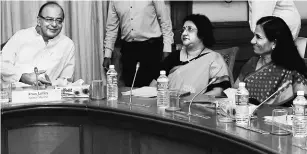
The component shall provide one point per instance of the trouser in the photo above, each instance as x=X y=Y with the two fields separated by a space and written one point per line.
x=148 y=53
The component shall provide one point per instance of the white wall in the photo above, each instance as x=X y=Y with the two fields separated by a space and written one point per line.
x=302 y=8
x=219 y=10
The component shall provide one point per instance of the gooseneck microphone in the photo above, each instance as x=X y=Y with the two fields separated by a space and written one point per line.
x=36 y=77
x=212 y=81
x=136 y=70
x=279 y=89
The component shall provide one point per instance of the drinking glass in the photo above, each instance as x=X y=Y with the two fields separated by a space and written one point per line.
x=97 y=90
x=174 y=100
x=225 y=110
x=279 y=116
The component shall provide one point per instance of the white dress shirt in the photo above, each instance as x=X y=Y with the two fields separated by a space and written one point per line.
x=284 y=9
x=26 y=49
x=138 y=21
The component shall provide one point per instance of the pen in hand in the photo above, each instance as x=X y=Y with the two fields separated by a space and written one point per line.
x=36 y=77
x=48 y=79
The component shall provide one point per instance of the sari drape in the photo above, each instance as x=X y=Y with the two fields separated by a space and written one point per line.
x=270 y=78
x=195 y=75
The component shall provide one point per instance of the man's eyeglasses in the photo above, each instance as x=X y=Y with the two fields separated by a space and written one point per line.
x=50 y=20
x=188 y=28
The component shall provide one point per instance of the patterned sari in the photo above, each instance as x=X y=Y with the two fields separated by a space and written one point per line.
x=270 y=78
x=196 y=74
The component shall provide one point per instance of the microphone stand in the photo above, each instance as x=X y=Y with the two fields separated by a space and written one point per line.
x=36 y=77
x=136 y=70
x=130 y=98
x=190 y=103
x=197 y=115
x=279 y=89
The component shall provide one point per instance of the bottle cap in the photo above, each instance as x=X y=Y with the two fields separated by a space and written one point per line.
x=242 y=84
x=111 y=66
x=300 y=93
x=162 y=72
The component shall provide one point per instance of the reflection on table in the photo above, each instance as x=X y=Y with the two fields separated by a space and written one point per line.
x=139 y=126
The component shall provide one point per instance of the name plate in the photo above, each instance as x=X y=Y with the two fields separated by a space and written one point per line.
x=36 y=96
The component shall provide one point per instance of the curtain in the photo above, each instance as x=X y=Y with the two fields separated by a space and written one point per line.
x=84 y=23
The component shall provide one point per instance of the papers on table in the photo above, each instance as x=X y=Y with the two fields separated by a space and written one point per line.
x=143 y=92
x=230 y=93
x=285 y=120
x=20 y=85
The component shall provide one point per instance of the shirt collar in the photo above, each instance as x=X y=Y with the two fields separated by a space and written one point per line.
x=50 y=41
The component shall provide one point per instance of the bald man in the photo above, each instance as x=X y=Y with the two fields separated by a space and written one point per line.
x=41 y=46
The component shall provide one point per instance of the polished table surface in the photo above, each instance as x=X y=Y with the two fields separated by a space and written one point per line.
x=147 y=108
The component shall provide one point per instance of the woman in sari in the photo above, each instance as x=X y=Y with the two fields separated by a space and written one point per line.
x=278 y=69
x=195 y=65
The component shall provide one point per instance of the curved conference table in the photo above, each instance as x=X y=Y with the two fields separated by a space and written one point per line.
x=84 y=126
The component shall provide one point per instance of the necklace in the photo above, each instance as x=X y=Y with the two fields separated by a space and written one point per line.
x=196 y=56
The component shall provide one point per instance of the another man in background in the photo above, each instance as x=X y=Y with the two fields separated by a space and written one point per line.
x=41 y=46
x=146 y=31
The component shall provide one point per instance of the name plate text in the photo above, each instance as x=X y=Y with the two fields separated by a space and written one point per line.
x=36 y=96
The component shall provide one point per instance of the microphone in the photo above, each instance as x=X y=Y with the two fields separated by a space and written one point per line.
x=36 y=77
x=212 y=81
x=136 y=70
x=279 y=89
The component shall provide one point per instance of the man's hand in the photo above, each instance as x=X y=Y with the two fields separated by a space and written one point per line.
x=48 y=80
x=165 y=54
x=30 y=78
x=106 y=63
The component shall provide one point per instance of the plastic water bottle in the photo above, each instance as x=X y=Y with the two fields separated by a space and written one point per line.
x=112 y=88
x=162 y=90
x=242 y=109
x=299 y=127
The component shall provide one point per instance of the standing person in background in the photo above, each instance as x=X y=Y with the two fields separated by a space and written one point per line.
x=284 y=9
x=41 y=46
x=146 y=31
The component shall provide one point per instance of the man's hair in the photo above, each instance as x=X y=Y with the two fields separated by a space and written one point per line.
x=285 y=53
x=50 y=3
x=204 y=28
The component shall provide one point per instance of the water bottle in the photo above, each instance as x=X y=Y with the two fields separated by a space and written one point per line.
x=242 y=109
x=112 y=88
x=299 y=127
x=162 y=90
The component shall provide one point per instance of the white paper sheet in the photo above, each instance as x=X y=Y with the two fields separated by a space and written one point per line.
x=143 y=92
x=286 y=119
x=231 y=93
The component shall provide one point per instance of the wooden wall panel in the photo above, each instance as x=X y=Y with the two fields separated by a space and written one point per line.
x=44 y=140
